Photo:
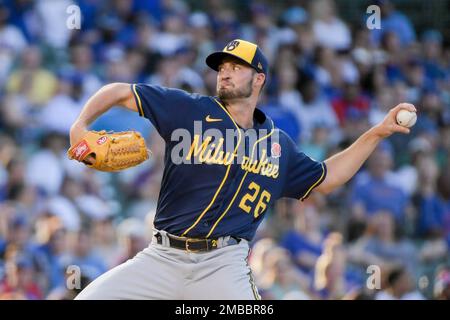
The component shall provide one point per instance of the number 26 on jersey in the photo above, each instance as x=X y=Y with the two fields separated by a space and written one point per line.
x=248 y=200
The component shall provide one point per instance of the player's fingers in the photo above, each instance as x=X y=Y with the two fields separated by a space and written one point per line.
x=401 y=129
x=406 y=106
x=89 y=160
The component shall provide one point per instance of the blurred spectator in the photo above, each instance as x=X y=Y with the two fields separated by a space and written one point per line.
x=416 y=81
x=374 y=190
x=44 y=169
x=326 y=70
x=351 y=102
x=294 y=15
x=259 y=250
x=133 y=237
x=399 y=287
x=225 y=23
x=8 y=150
x=329 y=30
x=317 y=147
x=382 y=247
x=17 y=242
x=444 y=191
x=431 y=110
x=174 y=71
x=429 y=222
x=282 y=118
x=315 y=110
x=12 y=43
x=331 y=278
x=64 y=293
x=55 y=250
x=64 y=211
x=83 y=65
x=25 y=198
x=288 y=96
x=84 y=256
x=52 y=17
x=31 y=80
x=18 y=283
x=432 y=51
x=442 y=285
x=106 y=240
x=262 y=29
x=393 y=21
x=172 y=36
x=24 y=17
x=382 y=95
x=68 y=100
x=305 y=240
x=200 y=38
x=280 y=278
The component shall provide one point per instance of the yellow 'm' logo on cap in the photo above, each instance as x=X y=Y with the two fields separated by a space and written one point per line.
x=242 y=49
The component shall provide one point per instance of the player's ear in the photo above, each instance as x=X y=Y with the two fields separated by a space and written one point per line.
x=260 y=78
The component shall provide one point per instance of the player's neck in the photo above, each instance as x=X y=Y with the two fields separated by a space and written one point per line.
x=242 y=111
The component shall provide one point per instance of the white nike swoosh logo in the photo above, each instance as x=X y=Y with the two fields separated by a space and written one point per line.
x=209 y=119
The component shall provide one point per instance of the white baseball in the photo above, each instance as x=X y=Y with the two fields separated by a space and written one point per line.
x=406 y=118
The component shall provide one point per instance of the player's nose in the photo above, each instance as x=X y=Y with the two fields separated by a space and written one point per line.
x=224 y=78
x=224 y=72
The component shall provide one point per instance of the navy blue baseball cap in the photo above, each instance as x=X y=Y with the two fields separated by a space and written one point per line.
x=245 y=51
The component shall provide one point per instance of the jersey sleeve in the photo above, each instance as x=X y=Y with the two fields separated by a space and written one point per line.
x=304 y=173
x=166 y=108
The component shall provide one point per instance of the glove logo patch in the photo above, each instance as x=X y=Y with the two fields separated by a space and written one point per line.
x=102 y=140
x=113 y=151
x=81 y=150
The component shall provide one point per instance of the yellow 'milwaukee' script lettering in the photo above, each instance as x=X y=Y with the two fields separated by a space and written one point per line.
x=212 y=153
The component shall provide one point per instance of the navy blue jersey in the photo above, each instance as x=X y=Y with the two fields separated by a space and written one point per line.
x=216 y=183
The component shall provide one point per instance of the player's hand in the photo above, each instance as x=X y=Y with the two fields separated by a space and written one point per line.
x=77 y=132
x=389 y=124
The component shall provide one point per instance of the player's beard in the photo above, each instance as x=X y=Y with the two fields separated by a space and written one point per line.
x=236 y=93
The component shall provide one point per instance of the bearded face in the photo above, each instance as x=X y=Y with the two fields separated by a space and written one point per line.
x=229 y=91
x=234 y=80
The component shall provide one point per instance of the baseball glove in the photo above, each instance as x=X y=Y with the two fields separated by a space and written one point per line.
x=110 y=151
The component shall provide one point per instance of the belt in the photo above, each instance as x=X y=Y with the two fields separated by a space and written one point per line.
x=193 y=244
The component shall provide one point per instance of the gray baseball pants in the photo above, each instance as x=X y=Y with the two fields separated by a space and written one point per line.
x=163 y=273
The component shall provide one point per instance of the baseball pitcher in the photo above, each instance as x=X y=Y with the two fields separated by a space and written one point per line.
x=225 y=164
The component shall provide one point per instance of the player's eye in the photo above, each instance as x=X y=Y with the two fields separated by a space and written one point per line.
x=236 y=67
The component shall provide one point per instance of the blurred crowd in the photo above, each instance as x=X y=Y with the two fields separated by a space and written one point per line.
x=384 y=235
